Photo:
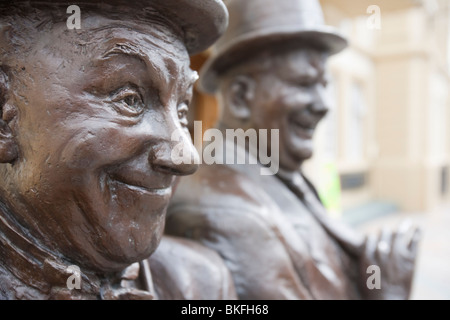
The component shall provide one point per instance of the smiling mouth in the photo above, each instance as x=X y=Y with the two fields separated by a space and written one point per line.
x=304 y=129
x=163 y=191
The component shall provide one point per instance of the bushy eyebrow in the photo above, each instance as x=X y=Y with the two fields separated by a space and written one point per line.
x=125 y=48
x=131 y=50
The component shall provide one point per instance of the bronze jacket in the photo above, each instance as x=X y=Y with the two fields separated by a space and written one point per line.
x=276 y=244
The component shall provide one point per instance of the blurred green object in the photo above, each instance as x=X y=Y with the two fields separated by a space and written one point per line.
x=330 y=188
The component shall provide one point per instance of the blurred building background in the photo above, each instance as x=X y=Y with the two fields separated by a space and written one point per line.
x=388 y=128
x=386 y=140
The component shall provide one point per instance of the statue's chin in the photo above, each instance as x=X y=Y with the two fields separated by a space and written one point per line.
x=129 y=257
x=104 y=261
x=294 y=160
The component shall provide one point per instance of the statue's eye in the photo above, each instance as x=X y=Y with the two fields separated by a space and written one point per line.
x=132 y=100
x=128 y=101
x=183 y=110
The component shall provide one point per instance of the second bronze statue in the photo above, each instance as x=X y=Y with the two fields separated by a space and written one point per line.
x=269 y=72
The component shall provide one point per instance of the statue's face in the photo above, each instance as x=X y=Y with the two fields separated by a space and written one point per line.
x=94 y=124
x=291 y=97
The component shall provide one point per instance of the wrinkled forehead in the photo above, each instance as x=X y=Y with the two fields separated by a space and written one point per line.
x=153 y=45
x=148 y=33
x=150 y=41
x=42 y=32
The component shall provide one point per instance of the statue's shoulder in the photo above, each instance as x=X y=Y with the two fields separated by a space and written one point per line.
x=220 y=201
x=219 y=187
x=184 y=269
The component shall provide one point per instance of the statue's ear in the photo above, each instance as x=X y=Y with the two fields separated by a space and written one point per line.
x=241 y=93
x=8 y=146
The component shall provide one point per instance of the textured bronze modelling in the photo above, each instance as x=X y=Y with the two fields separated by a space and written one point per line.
x=86 y=175
x=273 y=232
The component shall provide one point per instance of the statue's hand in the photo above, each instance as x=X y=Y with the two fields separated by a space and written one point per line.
x=393 y=255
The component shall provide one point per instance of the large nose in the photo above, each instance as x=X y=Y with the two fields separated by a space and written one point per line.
x=162 y=157
x=165 y=153
x=321 y=101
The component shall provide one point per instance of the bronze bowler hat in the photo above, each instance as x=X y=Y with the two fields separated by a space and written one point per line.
x=258 y=24
x=202 y=21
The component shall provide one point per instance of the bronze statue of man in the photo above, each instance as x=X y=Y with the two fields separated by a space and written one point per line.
x=86 y=117
x=269 y=73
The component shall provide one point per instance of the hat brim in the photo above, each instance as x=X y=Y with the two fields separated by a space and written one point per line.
x=324 y=38
x=202 y=21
